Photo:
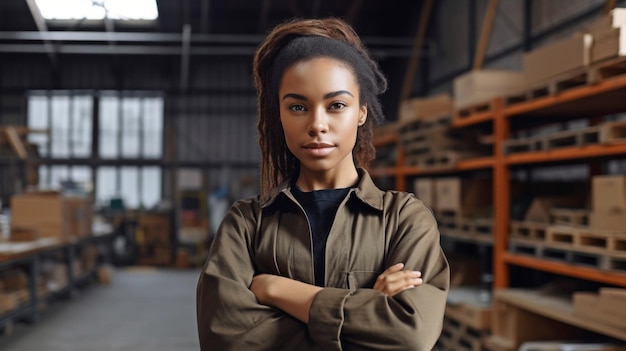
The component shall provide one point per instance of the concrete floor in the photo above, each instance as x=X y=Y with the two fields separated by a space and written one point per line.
x=143 y=309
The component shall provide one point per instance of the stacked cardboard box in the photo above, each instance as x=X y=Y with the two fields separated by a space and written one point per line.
x=602 y=40
x=608 y=203
x=609 y=36
x=559 y=57
x=468 y=198
x=427 y=137
x=418 y=109
x=481 y=86
x=52 y=215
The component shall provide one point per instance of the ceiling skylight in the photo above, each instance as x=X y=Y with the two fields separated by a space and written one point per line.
x=98 y=9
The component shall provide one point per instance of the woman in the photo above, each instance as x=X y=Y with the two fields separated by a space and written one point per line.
x=322 y=259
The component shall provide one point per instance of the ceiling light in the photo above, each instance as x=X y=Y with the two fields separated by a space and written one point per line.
x=98 y=9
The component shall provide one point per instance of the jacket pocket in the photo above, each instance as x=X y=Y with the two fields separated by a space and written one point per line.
x=362 y=279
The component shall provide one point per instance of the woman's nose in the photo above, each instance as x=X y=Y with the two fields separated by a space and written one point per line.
x=319 y=123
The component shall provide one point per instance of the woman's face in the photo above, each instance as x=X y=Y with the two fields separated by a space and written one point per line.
x=320 y=113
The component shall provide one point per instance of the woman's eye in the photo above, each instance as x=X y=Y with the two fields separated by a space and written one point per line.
x=337 y=106
x=296 y=108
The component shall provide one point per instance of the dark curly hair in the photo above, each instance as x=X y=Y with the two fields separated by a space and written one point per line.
x=296 y=41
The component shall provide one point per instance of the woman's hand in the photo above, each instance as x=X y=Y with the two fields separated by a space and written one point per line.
x=395 y=280
x=291 y=296
x=260 y=287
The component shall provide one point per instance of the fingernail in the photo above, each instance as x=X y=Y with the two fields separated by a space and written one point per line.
x=417 y=273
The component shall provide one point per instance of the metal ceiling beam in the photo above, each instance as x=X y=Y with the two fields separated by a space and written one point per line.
x=120 y=37
x=91 y=49
x=40 y=22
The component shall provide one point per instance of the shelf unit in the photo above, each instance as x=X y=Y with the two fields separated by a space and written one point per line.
x=590 y=101
x=31 y=256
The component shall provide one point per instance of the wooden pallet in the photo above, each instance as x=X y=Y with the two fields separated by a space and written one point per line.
x=474 y=316
x=442 y=159
x=572 y=79
x=586 y=239
x=469 y=229
x=435 y=122
x=607 y=69
x=569 y=216
x=606 y=133
x=528 y=230
x=482 y=107
x=553 y=86
x=456 y=336
x=603 y=260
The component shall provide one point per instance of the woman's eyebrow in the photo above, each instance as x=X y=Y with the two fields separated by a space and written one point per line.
x=295 y=96
x=326 y=96
x=336 y=93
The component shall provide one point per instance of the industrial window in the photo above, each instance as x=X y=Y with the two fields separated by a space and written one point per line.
x=129 y=132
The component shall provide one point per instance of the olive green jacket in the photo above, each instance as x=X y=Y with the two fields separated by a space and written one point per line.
x=372 y=230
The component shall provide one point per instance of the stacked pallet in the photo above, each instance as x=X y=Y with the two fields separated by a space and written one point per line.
x=587 y=57
x=606 y=133
x=428 y=139
x=475 y=90
x=154 y=246
x=594 y=238
x=462 y=207
x=467 y=321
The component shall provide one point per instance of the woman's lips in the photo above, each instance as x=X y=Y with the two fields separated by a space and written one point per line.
x=318 y=149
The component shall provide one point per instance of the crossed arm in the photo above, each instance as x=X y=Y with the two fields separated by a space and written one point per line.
x=294 y=297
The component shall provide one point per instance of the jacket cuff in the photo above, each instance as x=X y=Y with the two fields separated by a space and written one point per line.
x=326 y=317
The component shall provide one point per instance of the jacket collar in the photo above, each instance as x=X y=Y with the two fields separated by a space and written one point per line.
x=366 y=191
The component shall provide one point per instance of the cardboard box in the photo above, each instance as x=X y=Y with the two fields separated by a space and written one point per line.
x=615 y=19
x=52 y=214
x=613 y=221
x=608 y=194
x=479 y=86
x=425 y=190
x=591 y=306
x=540 y=208
x=465 y=197
x=42 y=210
x=609 y=45
x=23 y=234
x=557 y=58
x=439 y=105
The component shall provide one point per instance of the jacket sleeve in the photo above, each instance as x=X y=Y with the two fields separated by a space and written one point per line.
x=366 y=319
x=228 y=315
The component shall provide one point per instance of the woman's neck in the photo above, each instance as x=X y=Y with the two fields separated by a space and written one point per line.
x=309 y=180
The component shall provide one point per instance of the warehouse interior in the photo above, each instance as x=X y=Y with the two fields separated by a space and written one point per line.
x=126 y=136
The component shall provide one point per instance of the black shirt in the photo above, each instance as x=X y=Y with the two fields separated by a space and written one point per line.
x=320 y=207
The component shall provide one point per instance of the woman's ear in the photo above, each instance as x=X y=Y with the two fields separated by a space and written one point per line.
x=362 y=115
